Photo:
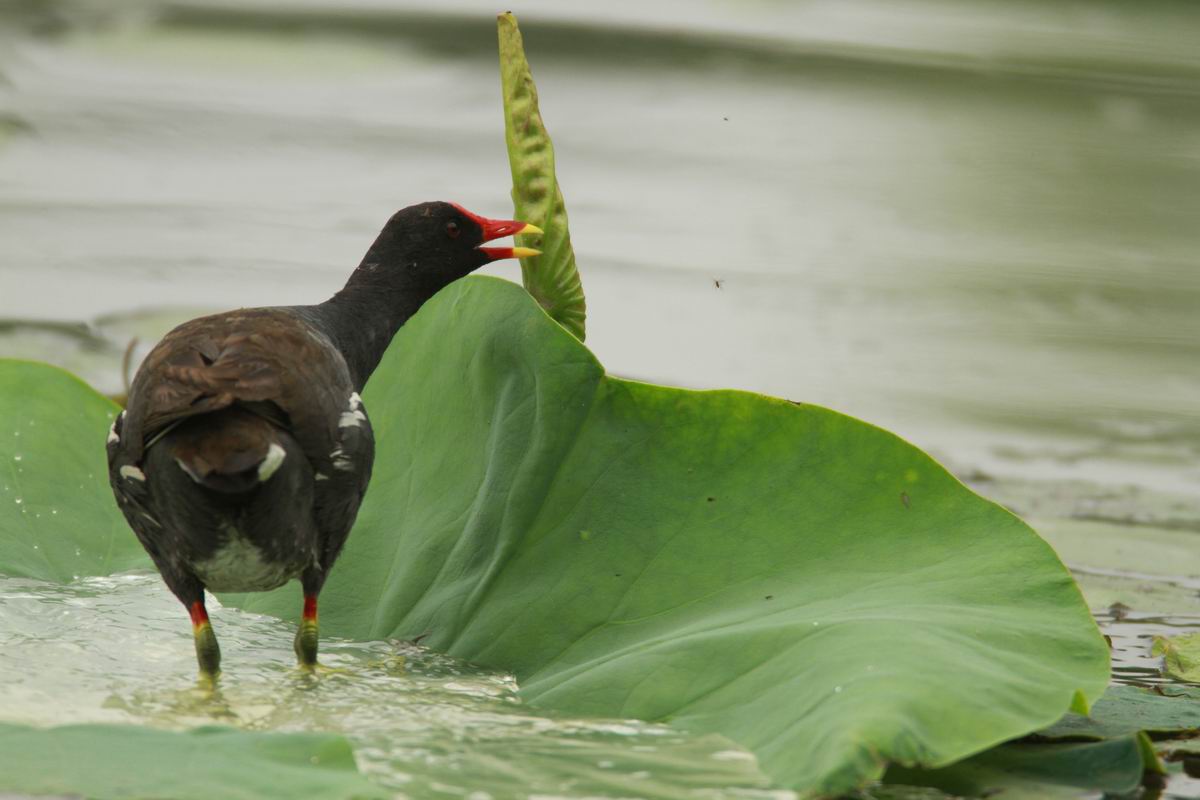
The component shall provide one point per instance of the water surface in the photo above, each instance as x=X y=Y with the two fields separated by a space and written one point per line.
x=118 y=649
x=973 y=224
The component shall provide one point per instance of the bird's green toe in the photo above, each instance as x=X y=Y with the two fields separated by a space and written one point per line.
x=306 y=643
x=208 y=652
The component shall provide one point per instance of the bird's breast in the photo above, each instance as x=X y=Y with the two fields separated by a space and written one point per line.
x=238 y=565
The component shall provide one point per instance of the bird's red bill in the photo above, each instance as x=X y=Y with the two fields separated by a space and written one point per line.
x=498 y=229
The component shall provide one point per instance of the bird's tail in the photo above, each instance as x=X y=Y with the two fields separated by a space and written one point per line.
x=232 y=450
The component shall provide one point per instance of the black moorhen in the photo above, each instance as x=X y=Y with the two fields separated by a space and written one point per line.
x=244 y=451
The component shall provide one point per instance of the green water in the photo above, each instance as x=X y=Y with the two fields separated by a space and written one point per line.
x=972 y=223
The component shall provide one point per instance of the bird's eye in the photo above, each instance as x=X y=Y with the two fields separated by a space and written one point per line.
x=452 y=229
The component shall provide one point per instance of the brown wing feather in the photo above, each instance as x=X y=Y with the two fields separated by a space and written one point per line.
x=260 y=358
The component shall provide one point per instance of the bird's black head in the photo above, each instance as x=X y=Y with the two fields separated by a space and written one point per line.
x=430 y=245
x=421 y=250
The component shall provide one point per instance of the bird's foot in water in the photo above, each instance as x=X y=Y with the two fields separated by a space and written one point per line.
x=306 y=647
x=307 y=641
x=320 y=670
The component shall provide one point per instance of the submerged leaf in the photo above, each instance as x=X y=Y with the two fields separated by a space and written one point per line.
x=1175 y=750
x=1038 y=770
x=124 y=761
x=1124 y=710
x=1181 y=656
x=58 y=519
x=724 y=561
x=887 y=791
x=551 y=277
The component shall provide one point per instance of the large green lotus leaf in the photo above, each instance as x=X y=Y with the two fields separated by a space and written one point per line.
x=58 y=519
x=124 y=761
x=809 y=585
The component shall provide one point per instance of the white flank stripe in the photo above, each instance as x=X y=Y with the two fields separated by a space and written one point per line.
x=341 y=460
x=351 y=419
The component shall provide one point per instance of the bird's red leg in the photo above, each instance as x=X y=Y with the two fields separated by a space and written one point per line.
x=306 y=634
x=208 y=653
